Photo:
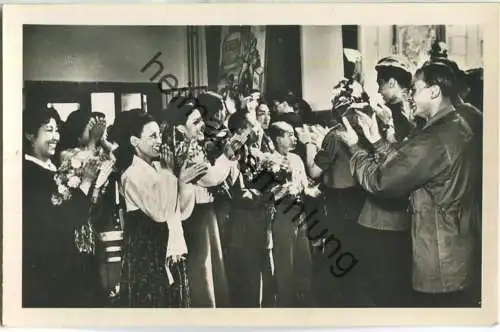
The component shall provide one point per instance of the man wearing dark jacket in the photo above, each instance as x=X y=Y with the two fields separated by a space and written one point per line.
x=436 y=166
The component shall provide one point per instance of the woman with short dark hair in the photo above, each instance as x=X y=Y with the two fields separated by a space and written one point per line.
x=55 y=272
x=154 y=270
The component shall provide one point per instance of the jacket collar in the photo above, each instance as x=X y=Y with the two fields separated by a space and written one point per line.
x=439 y=115
x=48 y=165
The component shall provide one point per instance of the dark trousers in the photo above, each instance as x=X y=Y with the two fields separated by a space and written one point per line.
x=460 y=299
x=249 y=262
x=384 y=268
x=293 y=259
x=341 y=209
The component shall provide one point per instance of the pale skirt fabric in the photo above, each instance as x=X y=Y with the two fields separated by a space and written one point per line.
x=207 y=274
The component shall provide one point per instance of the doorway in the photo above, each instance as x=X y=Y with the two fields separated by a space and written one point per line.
x=283 y=61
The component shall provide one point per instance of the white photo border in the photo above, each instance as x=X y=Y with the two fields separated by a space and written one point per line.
x=15 y=16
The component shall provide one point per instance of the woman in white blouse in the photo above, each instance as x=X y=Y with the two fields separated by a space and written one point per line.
x=154 y=272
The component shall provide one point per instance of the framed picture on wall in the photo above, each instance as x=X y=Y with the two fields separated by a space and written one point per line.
x=415 y=41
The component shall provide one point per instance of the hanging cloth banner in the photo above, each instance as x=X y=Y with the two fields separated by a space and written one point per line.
x=414 y=42
x=242 y=59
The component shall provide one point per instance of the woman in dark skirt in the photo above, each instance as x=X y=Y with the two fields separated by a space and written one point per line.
x=55 y=272
x=154 y=266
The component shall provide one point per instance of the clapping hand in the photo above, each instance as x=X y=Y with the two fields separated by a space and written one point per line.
x=303 y=135
x=104 y=172
x=318 y=134
x=383 y=112
x=251 y=104
x=348 y=136
x=97 y=127
x=166 y=157
x=369 y=126
x=90 y=172
x=193 y=172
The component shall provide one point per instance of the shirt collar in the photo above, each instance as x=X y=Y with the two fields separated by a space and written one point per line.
x=45 y=164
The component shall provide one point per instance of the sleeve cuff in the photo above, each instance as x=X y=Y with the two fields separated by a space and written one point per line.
x=355 y=148
x=379 y=144
x=382 y=146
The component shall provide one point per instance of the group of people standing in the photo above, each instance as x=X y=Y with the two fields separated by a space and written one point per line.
x=398 y=186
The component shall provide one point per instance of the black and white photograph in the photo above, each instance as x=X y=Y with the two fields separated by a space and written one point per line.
x=272 y=166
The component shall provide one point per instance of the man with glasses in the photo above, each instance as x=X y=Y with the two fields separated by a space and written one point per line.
x=438 y=168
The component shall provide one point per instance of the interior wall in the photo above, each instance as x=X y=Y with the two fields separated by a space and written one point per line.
x=375 y=42
x=103 y=53
x=322 y=63
x=464 y=46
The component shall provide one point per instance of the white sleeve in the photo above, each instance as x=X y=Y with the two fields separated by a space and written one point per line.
x=187 y=200
x=217 y=173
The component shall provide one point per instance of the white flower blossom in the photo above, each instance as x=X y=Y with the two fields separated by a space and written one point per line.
x=74 y=182
x=275 y=168
x=62 y=189
x=75 y=163
x=56 y=200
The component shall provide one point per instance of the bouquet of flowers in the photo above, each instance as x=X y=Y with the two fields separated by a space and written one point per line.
x=277 y=166
x=74 y=164
x=214 y=143
x=192 y=152
x=348 y=92
x=349 y=96
x=188 y=150
x=271 y=168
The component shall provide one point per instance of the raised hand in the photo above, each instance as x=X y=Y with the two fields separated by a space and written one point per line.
x=369 y=126
x=318 y=134
x=190 y=173
x=97 y=129
x=303 y=135
x=166 y=157
x=104 y=172
x=383 y=112
x=252 y=105
x=348 y=136
x=90 y=172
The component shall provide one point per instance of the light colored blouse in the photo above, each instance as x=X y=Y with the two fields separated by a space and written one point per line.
x=155 y=191
x=299 y=175
x=222 y=169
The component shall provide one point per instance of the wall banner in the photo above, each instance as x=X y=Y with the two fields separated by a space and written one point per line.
x=242 y=59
